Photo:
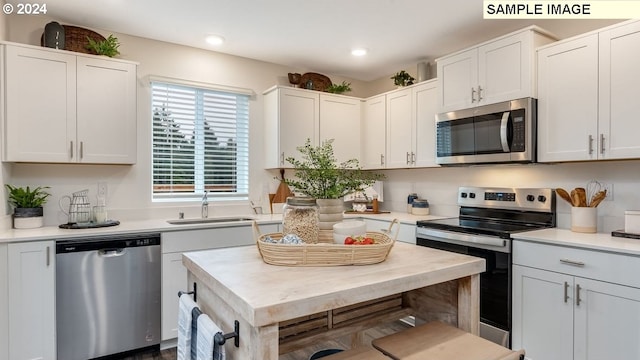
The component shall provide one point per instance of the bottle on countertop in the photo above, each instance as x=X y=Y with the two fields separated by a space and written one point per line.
x=374 y=204
x=410 y=198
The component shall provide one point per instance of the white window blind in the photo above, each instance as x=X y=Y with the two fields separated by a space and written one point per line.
x=200 y=142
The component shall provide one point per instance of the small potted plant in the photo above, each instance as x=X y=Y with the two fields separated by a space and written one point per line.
x=402 y=78
x=339 y=88
x=107 y=47
x=28 y=212
x=319 y=175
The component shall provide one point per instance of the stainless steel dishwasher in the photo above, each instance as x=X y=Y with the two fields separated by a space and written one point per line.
x=107 y=295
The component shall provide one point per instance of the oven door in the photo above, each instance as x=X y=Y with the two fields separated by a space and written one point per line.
x=495 y=282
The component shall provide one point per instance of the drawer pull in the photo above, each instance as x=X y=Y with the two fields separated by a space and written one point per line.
x=566 y=291
x=572 y=262
x=578 y=294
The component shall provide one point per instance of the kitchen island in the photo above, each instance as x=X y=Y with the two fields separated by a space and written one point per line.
x=281 y=309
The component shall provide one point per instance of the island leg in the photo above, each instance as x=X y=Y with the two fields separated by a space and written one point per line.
x=469 y=304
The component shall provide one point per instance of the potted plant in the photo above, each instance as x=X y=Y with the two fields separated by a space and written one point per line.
x=27 y=203
x=402 y=78
x=319 y=175
x=107 y=47
x=339 y=88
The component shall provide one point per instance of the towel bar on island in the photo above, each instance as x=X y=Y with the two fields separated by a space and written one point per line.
x=219 y=338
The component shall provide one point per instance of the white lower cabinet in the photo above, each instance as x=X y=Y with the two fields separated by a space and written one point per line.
x=574 y=303
x=4 y=304
x=406 y=233
x=174 y=274
x=31 y=280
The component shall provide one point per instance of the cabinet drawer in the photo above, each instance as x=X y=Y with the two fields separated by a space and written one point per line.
x=615 y=268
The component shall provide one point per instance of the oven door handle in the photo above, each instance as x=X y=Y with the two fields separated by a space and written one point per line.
x=445 y=235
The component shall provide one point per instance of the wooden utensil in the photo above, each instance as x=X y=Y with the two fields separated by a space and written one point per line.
x=582 y=196
x=597 y=198
x=283 y=191
x=564 y=195
x=575 y=199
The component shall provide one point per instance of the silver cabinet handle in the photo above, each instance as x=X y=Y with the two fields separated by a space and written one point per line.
x=601 y=143
x=473 y=95
x=71 y=150
x=282 y=159
x=566 y=291
x=578 y=300
x=48 y=256
x=413 y=158
x=590 y=144
x=479 y=93
x=572 y=262
x=381 y=159
x=81 y=149
x=408 y=158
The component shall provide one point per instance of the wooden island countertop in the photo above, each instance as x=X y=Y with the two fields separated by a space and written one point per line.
x=235 y=284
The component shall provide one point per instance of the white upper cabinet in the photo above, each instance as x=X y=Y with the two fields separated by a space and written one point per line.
x=498 y=70
x=587 y=93
x=411 y=126
x=373 y=133
x=67 y=108
x=340 y=121
x=294 y=115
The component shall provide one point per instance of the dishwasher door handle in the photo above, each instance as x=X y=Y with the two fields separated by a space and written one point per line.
x=114 y=252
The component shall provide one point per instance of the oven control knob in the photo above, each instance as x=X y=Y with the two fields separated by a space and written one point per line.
x=530 y=198
x=542 y=198
x=463 y=195
x=472 y=195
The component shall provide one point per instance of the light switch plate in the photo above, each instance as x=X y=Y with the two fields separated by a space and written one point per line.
x=102 y=189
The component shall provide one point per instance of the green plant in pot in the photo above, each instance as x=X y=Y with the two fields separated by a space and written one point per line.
x=319 y=175
x=107 y=47
x=27 y=203
x=339 y=88
x=402 y=78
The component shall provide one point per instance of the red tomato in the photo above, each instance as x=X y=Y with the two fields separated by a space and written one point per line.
x=368 y=241
x=349 y=240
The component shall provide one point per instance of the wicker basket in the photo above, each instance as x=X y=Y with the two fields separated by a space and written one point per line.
x=324 y=254
x=75 y=39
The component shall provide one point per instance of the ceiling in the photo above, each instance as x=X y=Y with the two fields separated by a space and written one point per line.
x=313 y=35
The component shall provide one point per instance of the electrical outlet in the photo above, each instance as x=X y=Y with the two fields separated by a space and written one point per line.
x=609 y=188
x=102 y=189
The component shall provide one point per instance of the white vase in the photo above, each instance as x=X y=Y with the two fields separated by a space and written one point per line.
x=331 y=211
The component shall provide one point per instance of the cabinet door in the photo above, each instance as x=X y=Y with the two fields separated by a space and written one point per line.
x=542 y=317
x=504 y=69
x=568 y=100
x=406 y=232
x=607 y=321
x=340 y=120
x=373 y=127
x=4 y=304
x=619 y=92
x=174 y=279
x=399 y=124
x=458 y=76
x=40 y=107
x=106 y=111
x=425 y=103
x=298 y=121
x=32 y=326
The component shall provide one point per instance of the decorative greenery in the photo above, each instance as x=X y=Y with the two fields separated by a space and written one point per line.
x=320 y=176
x=339 y=89
x=26 y=198
x=402 y=78
x=108 y=47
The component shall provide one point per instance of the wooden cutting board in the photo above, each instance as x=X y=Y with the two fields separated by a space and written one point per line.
x=283 y=191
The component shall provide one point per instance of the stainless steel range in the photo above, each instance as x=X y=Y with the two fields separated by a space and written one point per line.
x=487 y=219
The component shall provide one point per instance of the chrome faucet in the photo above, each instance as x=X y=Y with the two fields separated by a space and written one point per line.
x=205 y=206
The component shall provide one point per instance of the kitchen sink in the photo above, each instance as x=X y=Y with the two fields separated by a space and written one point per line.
x=209 y=220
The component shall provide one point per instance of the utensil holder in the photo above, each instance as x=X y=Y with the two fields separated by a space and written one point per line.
x=584 y=219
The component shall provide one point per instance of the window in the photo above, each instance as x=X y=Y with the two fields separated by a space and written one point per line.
x=200 y=142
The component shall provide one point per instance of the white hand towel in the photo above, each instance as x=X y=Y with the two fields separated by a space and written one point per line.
x=206 y=342
x=186 y=306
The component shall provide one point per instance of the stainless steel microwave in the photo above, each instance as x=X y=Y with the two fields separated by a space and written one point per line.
x=498 y=133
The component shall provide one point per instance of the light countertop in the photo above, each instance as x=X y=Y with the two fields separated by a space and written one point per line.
x=597 y=241
x=161 y=225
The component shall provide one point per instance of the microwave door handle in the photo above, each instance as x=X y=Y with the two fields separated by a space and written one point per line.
x=504 y=140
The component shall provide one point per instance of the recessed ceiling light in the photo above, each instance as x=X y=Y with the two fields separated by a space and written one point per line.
x=215 y=40
x=359 y=52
